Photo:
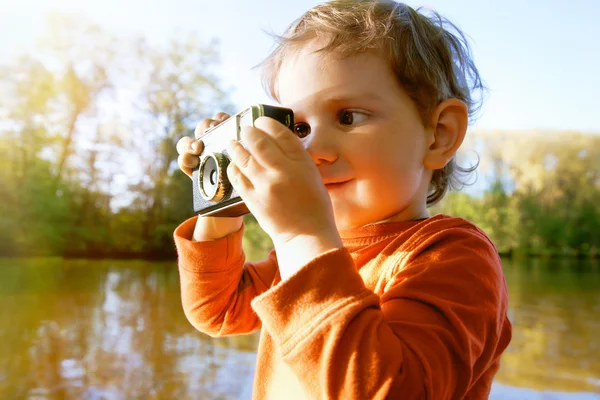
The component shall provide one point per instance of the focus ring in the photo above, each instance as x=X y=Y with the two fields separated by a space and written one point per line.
x=220 y=188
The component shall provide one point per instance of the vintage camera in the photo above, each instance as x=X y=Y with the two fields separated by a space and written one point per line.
x=213 y=193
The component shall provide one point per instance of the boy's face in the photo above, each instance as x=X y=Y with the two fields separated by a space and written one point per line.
x=366 y=136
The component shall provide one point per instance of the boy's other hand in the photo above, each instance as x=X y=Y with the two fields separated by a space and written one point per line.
x=190 y=148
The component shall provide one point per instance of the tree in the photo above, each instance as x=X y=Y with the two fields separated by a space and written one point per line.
x=179 y=90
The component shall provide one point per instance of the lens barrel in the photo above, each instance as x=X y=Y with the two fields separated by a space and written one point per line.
x=212 y=179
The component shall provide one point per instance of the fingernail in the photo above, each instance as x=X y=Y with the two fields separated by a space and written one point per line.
x=194 y=147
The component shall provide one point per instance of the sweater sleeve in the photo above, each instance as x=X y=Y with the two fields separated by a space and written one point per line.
x=437 y=329
x=217 y=285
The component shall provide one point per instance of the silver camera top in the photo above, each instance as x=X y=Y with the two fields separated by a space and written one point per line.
x=213 y=193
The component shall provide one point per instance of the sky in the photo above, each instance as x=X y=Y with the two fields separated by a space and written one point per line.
x=539 y=58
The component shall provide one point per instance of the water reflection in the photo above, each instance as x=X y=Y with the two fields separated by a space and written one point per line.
x=79 y=329
x=115 y=329
x=555 y=307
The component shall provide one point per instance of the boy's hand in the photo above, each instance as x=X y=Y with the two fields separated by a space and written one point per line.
x=207 y=228
x=282 y=187
x=189 y=148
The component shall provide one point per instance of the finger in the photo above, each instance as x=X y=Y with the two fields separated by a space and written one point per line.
x=242 y=158
x=221 y=116
x=182 y=166
x=207 y=123
x=190 y=160
x=188 y=144
x=239 y=181
x=289 y=144
x=261 y=146
x=202 y=127
x=183 y=144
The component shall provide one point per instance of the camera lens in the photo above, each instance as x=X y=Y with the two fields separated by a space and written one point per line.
x=212 y=181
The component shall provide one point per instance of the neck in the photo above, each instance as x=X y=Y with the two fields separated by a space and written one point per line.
x=403 y=216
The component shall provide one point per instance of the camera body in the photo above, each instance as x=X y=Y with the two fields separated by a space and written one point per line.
x=212 y=191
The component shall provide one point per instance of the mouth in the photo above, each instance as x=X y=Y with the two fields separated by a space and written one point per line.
x=335 y=185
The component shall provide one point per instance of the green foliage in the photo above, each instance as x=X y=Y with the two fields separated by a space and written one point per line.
x=553 y=208
x=256 y=242
x=62 y=151
x=83 y=173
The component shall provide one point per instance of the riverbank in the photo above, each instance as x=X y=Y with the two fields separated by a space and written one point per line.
x=172 y=255
x=591 y=254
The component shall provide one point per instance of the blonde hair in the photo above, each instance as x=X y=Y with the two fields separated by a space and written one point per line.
x=431 y=63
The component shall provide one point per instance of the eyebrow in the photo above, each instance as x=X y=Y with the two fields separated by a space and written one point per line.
x=347 y=98
x=334 y=100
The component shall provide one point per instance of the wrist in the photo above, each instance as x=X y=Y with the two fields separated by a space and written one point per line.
x=213 y=228
x=301 y=250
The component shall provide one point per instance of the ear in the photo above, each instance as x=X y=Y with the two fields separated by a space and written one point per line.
x=449 y=123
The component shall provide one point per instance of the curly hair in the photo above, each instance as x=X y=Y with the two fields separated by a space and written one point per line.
x=429 y=56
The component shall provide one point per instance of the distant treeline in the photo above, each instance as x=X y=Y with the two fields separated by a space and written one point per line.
x=88 y=128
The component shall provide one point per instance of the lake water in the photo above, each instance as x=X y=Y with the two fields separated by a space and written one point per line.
x=81 y=329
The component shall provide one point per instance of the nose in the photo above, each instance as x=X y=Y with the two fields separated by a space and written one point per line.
x=322 y=145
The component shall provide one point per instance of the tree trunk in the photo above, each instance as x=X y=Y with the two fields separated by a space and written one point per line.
x=67 y=146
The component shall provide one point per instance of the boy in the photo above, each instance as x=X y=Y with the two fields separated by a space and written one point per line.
x=365 y=296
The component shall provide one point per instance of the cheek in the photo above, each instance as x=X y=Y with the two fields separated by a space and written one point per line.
x=392 y=162
x=380 y=171
x=385 y=156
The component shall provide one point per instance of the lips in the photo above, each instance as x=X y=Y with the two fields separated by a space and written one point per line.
x=334 y=184
x=334 y=176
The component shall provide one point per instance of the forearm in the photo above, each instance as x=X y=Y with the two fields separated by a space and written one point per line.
x=214 y=304
x=217 y=285
x=339 y=344
x=210 y=272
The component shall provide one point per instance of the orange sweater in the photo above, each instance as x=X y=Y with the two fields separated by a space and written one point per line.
x=406 y=310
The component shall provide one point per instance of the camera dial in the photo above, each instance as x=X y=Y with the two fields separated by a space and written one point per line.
x=212 y=179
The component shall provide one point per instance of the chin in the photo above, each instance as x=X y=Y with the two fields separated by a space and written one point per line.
x=344 y=224
x=341 y=224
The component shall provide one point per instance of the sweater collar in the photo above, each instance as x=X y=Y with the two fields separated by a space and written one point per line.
x=383 y=229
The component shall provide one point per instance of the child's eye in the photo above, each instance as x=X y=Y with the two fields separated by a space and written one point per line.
x=302 y=129
x=348 y=117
